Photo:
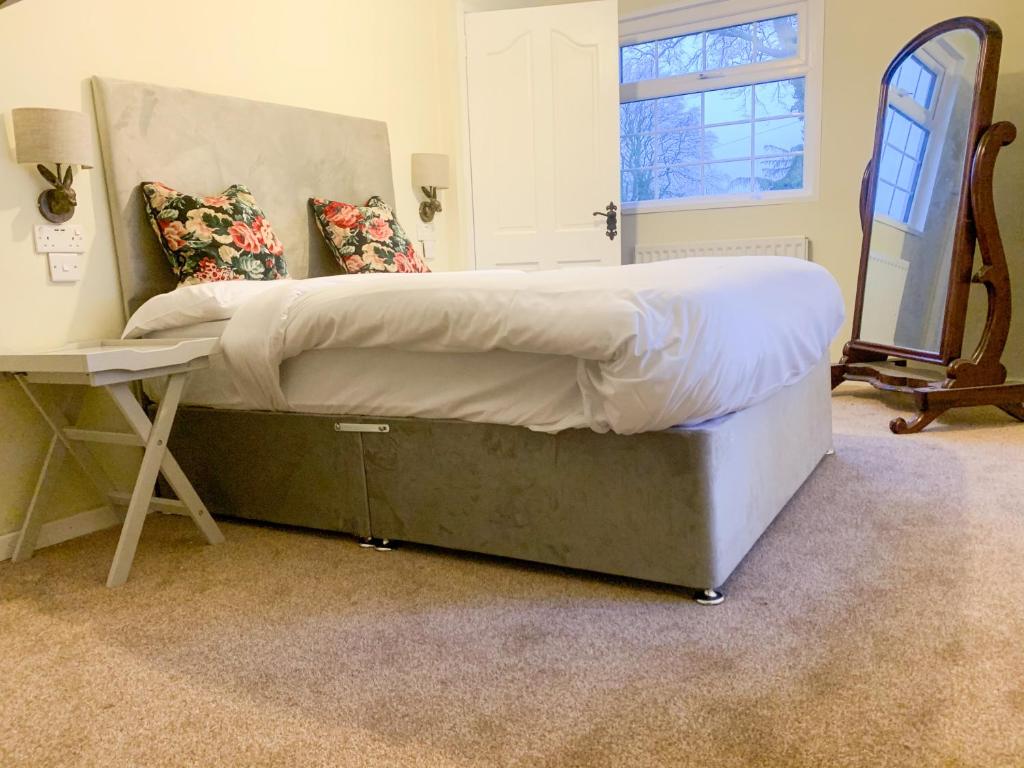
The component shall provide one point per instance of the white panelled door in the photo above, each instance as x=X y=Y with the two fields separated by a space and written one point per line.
x=544 y=134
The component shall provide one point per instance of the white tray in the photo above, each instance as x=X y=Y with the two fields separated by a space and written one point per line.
x=110 y=355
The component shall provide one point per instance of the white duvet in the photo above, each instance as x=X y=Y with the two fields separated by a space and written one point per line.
x=656 y=345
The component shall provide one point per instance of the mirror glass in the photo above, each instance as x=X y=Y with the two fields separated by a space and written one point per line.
x=920 y=167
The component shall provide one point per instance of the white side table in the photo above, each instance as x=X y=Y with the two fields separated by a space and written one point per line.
x=114 y=365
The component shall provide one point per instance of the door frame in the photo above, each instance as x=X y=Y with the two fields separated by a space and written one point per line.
x=467 y=236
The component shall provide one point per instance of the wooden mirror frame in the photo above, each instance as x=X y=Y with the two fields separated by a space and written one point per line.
x=964 y=238
x=980 y=379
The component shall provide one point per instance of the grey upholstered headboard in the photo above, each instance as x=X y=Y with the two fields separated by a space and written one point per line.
x=200 y=143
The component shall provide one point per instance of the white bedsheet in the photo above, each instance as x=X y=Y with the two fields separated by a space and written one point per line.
x=535 y=391
x=651 y=345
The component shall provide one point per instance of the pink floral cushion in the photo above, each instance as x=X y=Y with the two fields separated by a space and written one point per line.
x=366 y=238
x=222 y=237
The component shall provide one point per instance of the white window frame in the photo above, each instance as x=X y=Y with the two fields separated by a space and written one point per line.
x=682 y=18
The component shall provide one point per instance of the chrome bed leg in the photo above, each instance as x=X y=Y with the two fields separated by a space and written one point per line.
x=381 y=545
x=710 y=597
x=830 y=452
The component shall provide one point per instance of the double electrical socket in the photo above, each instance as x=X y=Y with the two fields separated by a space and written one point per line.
x=60 y=238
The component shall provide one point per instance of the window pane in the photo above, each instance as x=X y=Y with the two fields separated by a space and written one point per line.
x=637 y=151
x=915 y=140
x=776 y=38
x=900 y=207
x=915 y=79
x=889 y=168
x=774 y=137
x=728 y=105
x=727 y=142
x=639 y=62
x=680 y=147
x=925 y=87
x=678 y=112
x=727 y=178
x=638 y=185
x=681 y=55
x=899 y=132
x=780 y=173
x=628 y=187
x=908 y=174
x=780 y=97
x=883 y=198
x=730 y=47
x=636 y=117
x=907 y=75
x=680 y=182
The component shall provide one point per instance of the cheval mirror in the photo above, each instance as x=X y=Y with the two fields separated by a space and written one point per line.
x=925 y=203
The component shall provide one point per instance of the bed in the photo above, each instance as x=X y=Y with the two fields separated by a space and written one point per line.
x=482 y=448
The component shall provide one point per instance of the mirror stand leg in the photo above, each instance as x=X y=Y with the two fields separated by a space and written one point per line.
x=900 y=426
x=838 y=373
x=1016 y=410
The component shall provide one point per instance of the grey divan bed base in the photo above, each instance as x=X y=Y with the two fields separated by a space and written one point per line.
x=681 y=507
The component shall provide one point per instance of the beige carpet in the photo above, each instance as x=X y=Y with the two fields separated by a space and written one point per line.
x=879 y=622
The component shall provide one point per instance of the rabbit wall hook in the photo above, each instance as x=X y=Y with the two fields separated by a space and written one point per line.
x=57 y=204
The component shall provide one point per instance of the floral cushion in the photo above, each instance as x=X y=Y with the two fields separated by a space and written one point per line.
x=366 y=238
x=223 y=237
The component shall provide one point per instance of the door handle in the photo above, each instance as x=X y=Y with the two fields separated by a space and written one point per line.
x=611 y=216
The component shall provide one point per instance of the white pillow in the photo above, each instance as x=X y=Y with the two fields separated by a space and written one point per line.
x=191 y=304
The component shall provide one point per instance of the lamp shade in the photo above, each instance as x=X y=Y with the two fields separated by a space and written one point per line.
x=430 y=170
x=51 y=136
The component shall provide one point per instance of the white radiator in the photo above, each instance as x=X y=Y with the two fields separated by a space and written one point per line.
x=798 y=247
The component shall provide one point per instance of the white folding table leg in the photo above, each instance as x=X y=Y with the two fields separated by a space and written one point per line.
x=188 y=496
x=173 y=472
x=60 y=448
x=145 y=483
x=33 y=521
x=57 y=421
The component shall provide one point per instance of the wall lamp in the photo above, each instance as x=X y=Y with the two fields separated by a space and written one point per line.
x=430 y=172
x=53 y=137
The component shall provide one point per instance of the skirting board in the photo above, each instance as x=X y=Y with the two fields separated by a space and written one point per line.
x=66 y=528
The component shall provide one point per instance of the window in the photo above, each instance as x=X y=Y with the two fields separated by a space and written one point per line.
x=718 y=111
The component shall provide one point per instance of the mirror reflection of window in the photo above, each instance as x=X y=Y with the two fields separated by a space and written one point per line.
x=915 y=123
x=906 y=142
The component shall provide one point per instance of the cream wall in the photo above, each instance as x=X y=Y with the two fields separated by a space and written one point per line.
x=861 y=37
x=390 y=60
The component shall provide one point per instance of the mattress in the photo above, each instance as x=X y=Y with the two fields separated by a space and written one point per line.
x=515 y=388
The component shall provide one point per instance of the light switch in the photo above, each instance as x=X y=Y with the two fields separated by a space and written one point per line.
x=60 y=238
x=65 y=267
